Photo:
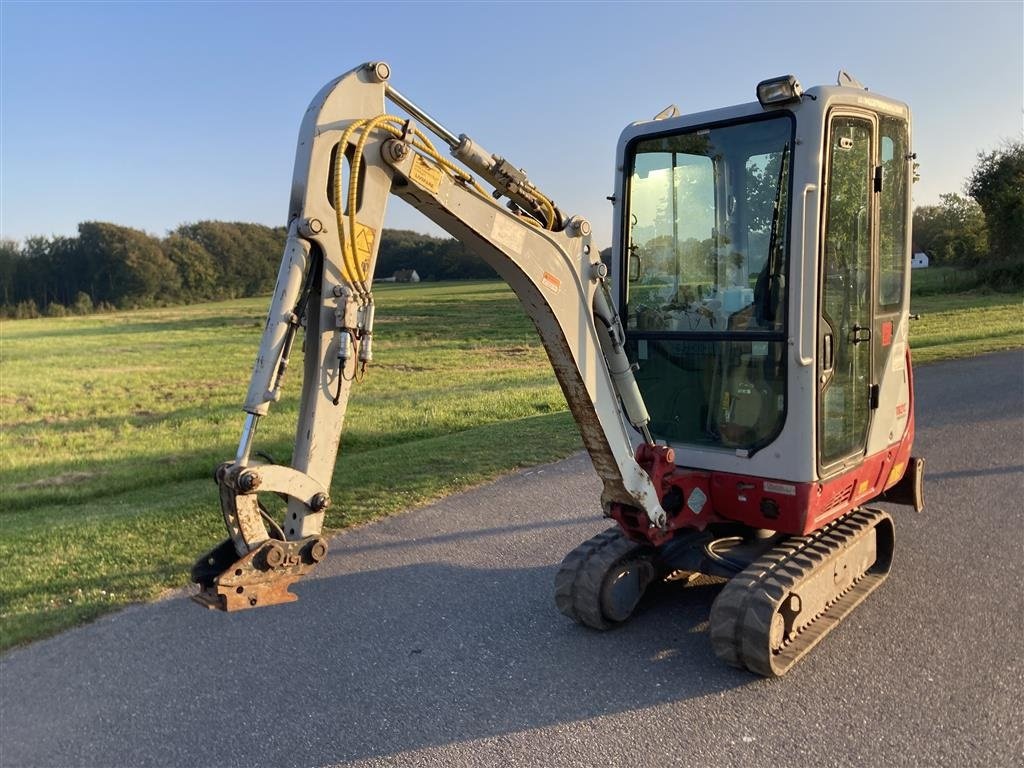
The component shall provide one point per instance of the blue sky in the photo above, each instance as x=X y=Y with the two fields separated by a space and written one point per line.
x=155 y=114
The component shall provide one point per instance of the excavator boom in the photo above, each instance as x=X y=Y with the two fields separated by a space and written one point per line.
x=352 y=155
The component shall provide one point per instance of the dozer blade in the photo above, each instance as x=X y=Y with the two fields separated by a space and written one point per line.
x=260 y=578
x=771 y=614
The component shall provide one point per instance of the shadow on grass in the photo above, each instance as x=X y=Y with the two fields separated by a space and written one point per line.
x=496 y=447
x=118 y=325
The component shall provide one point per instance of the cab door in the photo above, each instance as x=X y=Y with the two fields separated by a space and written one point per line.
x=845 y=319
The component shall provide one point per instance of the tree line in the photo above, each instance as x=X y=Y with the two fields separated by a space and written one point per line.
x=983 y=230
x=107 y=266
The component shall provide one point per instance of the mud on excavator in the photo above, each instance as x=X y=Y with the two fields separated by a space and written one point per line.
x=740 y=375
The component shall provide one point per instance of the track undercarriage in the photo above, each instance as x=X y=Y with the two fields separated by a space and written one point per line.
x=785 y=593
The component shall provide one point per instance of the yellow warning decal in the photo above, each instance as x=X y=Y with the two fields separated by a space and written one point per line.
x=897 y=472
x=863 y=487
x=365 y=238
x=426 y=175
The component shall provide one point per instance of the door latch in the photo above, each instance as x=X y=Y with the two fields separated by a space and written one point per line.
x=860 y=333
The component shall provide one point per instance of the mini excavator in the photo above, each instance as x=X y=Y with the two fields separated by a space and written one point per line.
x=740 y=372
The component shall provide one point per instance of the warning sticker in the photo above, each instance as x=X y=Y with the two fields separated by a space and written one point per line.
x=696 y=501
x=899 y=356
x=508 y=233
x=365 y=237
x=551 y=282
x=784 y=488
x=426 y=175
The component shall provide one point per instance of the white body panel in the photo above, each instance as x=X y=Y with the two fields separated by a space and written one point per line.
x=793 y=454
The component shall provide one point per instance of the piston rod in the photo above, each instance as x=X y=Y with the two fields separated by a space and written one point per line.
x=450 y=138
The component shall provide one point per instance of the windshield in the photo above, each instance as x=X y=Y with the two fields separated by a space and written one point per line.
x=705 y=266
x=707 y=228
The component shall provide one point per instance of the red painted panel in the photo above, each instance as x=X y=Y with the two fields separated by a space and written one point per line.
x=704 y=497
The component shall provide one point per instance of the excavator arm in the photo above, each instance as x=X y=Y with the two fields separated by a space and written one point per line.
x=352 y=155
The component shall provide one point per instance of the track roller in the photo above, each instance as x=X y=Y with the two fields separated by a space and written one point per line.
x=600 y=583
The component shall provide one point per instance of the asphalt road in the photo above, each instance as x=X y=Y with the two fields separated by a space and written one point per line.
x=432 y=639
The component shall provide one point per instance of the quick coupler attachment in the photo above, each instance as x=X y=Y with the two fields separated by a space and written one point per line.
x=261 y=577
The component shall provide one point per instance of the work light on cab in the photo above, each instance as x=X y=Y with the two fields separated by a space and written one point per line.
x=779 y=90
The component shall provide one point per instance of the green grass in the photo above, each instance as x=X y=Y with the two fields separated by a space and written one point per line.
x=942 y=280
x=112 y=424
x=965 y=325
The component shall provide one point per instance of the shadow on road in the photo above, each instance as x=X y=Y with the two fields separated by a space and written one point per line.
x=960 y=474
x=472 y=534
x=366 y=664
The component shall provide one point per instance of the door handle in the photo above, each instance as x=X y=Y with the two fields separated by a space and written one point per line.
x=804 y=340
x=828 y=353
x=633 y=271
x=860 y=333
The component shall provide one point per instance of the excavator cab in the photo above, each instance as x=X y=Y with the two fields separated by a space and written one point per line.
x=763 y=274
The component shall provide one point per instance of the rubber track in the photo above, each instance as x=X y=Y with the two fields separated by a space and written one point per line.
x=580 y=578
x=741 y=616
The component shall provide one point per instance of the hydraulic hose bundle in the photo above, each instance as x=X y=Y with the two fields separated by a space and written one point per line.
x=507 y=179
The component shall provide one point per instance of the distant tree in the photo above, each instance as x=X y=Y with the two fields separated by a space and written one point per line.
x=66 y=275
x=433 y=258
x=43 y=272
x=222 y=243
x=83 y=304
x=263 y=249
x=10 y=256
x=246 y=255
x=196 y=267
x=25 y=309
x=997 y=183
x=457 y=262
x=952 y=232
x=126 y=266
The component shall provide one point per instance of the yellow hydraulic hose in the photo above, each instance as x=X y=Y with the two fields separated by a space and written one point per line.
x=352 y=270
x=339 y=208
x=353 y=187
x=547 y=205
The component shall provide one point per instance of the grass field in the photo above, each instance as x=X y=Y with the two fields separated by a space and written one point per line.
x=942 y=280
x=112 y=424
x=965 y=324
